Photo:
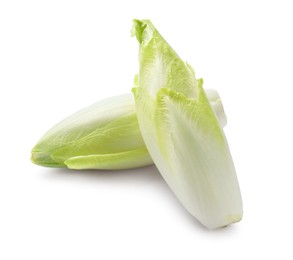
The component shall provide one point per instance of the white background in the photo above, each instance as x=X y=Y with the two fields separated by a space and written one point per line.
x=59 y=56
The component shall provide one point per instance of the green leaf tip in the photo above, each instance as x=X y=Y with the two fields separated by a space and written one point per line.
x=143 y=30
x=138 y=29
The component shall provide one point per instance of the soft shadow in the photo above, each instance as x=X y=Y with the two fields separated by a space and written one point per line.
x=144 y=175
x=148 y=175
x=227 y=230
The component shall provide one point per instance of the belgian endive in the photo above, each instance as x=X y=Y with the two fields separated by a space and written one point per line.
x=104 y=135
x=182 y=133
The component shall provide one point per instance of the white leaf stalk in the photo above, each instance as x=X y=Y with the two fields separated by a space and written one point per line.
x=182 y=132
x=104 y=135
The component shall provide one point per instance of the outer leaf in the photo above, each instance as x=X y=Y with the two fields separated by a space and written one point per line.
x=183 y=134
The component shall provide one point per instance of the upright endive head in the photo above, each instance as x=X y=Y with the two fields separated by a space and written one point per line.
x=182 y=133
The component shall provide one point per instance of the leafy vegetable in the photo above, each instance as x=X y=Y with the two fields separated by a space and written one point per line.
x=104 y=135
x=182 y=133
